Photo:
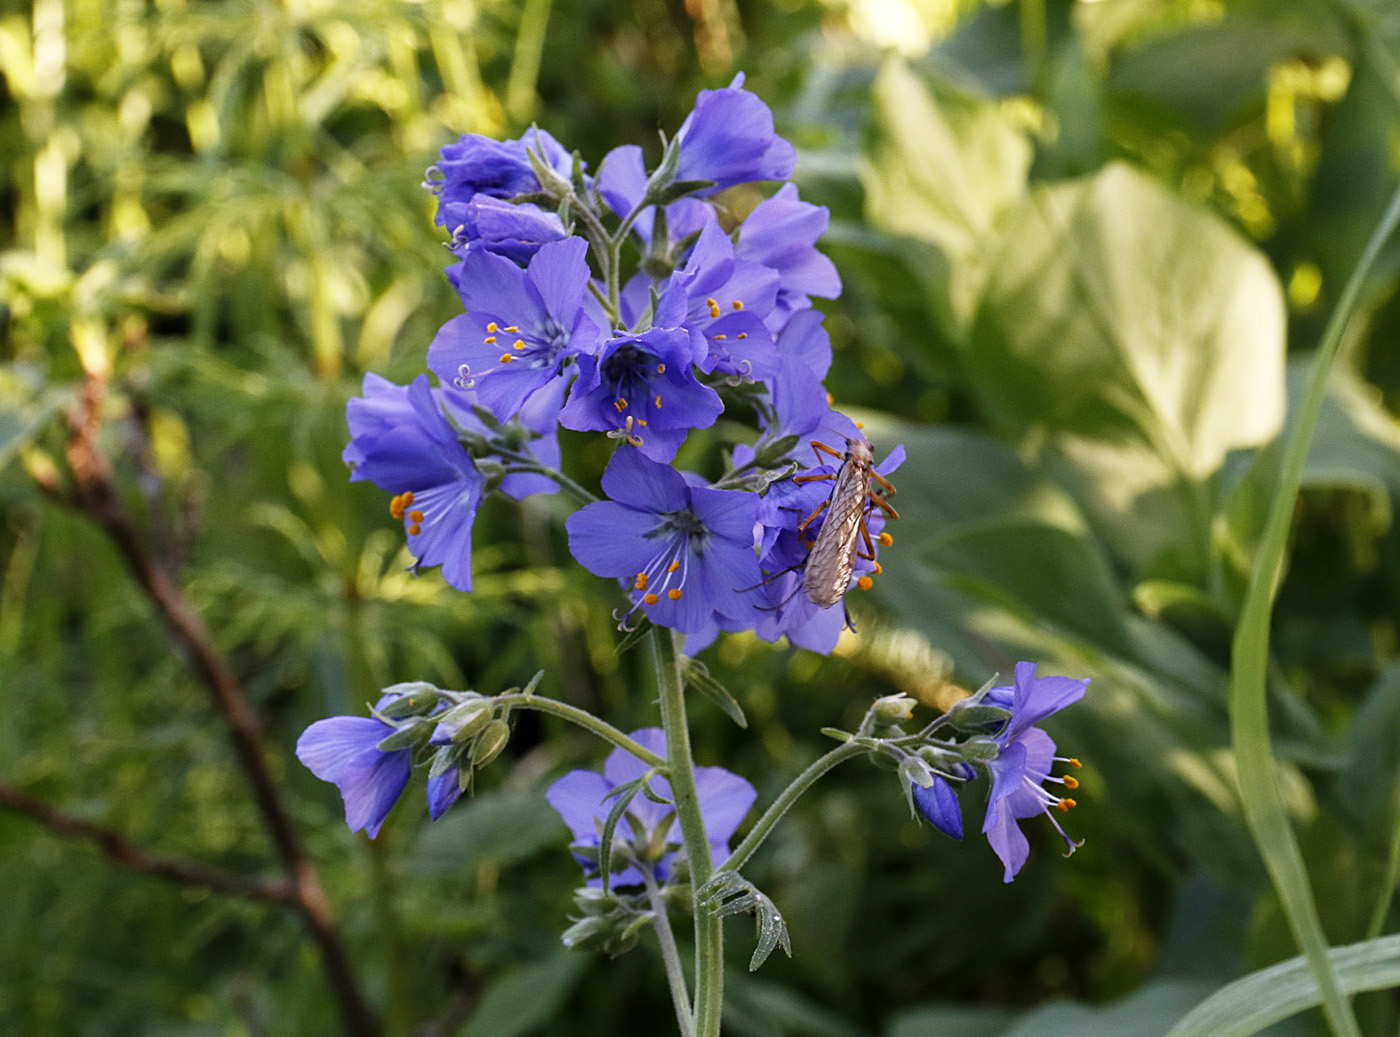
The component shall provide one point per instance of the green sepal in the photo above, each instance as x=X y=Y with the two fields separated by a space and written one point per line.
x=979 y=749
x=976 y=718
x=490 y=742
x=633 y=637
x=445 y=759
x=406 y=737
x=679 y=189
x=415 y=698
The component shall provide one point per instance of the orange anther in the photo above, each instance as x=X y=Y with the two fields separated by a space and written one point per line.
x=865 y=583
x=673 y=566
x=415 y=516
x=506 y=358
x=490 y=340
x=641 y=583
x=674 y=594
x=1074 y=762
x=885 y=539
x=738 y=304
x=493 y=327
x=650 y=599
x=1070 y=781
x=414 y=529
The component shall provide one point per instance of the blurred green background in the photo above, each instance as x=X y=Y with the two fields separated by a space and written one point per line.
x=1086 y=248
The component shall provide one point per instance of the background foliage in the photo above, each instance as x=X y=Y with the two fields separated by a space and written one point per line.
x=1086 y=248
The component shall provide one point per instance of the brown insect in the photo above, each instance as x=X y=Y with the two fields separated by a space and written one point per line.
x=828 y=569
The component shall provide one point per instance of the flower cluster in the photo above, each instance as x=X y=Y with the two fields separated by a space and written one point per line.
x=712 y=315
x=1016 y=754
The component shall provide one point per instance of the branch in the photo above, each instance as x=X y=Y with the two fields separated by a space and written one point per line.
x=116 y=847
x=94 y=492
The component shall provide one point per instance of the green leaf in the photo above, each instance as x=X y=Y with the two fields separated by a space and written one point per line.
x=25 y=409
x=494 y=828
x=1262 y=998
x=941 y=166
x=1142 y=339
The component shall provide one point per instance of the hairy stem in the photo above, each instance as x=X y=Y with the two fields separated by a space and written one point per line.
x=584 y=719
x=670 y=955
x=709 y=936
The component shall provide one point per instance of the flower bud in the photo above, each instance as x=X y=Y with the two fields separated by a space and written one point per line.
x=412 y=698
x=980 y=749
x=409 y=734
x=915 y=771
x=892 y=709
x=463 y=722
x=976 y=718
x=490 y=742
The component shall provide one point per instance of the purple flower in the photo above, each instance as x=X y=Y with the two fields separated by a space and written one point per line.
x=939 y=805
x=648 y=827
x=1023 y=767
x=781 y=233
x=345 y=751
x=477 y=165
x=685 y=552
x=721 y=302
x=402 y=442
x=508 y=229
x=729 y=139
x=642 y=386
x=521 y=328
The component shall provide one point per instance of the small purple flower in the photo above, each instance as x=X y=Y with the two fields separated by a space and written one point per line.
x=516 y=231
x=939 y=805
x=522 y=327
x=686 y=552
x=728 y=138
x=643 y=387
x=345 y=751
x=721 y=302
x=647 y=826
x=781 y=234
x=1027 y=756
x=402 y=442
x=477 y=165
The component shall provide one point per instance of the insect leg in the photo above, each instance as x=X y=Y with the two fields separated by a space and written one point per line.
x=802 y=526
x=820 y=448
x=813 y=478
x=889 y=486
x=883 y=505
x=869 y=556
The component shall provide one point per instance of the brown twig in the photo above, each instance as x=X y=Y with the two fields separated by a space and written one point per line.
x=115 y=846
x=94 y=492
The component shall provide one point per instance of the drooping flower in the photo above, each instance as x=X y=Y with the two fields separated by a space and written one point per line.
x=516 y=231
x=402 y=442
x=1023 y=767
x=648 y=828
x=685 y=551
x=522 y=328
x=939 y=805
x=475 y=165
x=345 y=751
x=728 y=138
x=643 y=387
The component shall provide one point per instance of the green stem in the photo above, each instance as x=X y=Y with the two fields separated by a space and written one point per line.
x=709 y=936
x=583 y=719
x=1392 y=868
x=670 y=955
x=789 y=796
x=1249 y=721
x=570 y=487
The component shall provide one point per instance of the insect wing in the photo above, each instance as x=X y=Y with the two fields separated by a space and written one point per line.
x=833 y=558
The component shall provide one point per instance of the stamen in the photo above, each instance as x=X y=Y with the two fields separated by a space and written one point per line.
x=865 y=583
x=830 y=399
x=738 y=304
x=714 y=307
x=650 y=599
x=1072 y=761
x=878 y=570
x=408 y=499
x=493 y=327
x=512 y=329
x=1070 y=782
x=506 y=358
x=641 y=583
x=719 y=338
x=620 y=404
x=673 y=566
x=885 y=539
x=658 y=401
x=860 y=425
x=742 y=334
x=414 y=529
x=674 y=594
x=415 y=515
x=490 y=340
x=1065 y=805
x=660 y=368
x=642 y=422
x=518 y=344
